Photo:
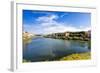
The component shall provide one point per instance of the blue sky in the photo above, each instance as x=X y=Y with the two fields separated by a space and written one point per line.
x=45 y=22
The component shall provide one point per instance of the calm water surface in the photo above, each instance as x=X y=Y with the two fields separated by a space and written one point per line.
x=42 y=49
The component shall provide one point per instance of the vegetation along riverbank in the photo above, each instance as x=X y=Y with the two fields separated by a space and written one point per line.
x=77 y=56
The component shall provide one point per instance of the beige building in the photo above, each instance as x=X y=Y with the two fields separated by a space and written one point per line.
x=66 y=33
x=27 y=35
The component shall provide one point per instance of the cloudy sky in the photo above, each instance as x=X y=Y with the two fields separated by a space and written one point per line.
x=44 y=22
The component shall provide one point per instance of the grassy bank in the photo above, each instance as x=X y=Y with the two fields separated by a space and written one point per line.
x=81 y=56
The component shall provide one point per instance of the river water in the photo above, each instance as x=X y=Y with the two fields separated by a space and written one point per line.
x=48 y=49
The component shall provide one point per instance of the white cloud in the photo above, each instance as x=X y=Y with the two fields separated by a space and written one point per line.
x=48 y=18
x=48 y=24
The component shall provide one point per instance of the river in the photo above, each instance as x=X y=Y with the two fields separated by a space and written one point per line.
x=48 y=49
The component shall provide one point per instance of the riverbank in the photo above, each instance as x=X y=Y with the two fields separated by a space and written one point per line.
x=82 y=35
x=81 y=56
